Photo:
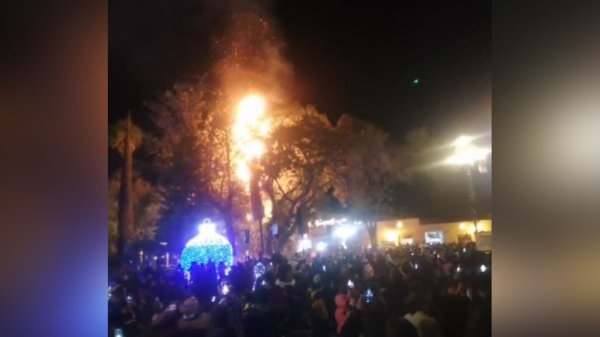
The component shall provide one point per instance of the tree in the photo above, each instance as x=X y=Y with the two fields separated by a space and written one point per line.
x=193 y=157
x=297 y=168
x=125 y=138
x=147 y=206
x=367 y=174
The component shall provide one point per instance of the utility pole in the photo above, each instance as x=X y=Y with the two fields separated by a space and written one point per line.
x=472 y=196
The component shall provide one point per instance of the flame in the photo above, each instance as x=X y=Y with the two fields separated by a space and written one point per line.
x=250 y=130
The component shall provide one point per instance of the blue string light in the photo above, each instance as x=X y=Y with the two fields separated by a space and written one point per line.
x=207 y=246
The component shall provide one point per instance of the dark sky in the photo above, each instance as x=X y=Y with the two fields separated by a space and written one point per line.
x=356 y=57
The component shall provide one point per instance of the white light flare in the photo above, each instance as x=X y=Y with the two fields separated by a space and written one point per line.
x=305 y=244
x=466 y=153
x=344 y=233
x=321 y=246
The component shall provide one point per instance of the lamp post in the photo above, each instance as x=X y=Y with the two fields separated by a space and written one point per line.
x=467 y=155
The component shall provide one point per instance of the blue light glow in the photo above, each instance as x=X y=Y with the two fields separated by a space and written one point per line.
x=207 y=246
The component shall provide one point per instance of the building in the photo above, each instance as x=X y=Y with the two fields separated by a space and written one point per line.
x=412 y=231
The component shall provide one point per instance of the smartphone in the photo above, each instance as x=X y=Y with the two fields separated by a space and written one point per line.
x=324 y=268
x=118 y=332
x=350 y=284
x=416 y=266
x=224 y=289
x=368 y=296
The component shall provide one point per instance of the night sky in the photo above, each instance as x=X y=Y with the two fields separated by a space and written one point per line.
x=355 y=57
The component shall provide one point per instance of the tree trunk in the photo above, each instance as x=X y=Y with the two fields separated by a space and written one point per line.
x=269 y=241
x=229 y=228
x=372 y=230
x=285 y=235
x=226 y=212
x=125 y=224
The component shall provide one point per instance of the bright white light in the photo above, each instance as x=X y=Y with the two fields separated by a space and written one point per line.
x=344 y=232
x=321 y=246
x=391 y=236
x=467 y=153
x=255 y=149
x=463 y=141
x=251 y=108
x=458 y=269
x=243 y=172
x=225 y=289
x=399 y=224
x=350 y=284
x=462 y=226
x=468 y=156
x=305 y=244
x=483 y=268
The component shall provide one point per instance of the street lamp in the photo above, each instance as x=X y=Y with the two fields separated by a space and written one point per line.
x=466 y=154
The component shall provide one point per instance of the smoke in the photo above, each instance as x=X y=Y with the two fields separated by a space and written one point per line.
x=249 y=54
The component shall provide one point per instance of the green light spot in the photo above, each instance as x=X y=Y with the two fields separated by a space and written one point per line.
x=416 y=81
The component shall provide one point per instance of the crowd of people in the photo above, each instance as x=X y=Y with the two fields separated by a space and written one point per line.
x=439 y=290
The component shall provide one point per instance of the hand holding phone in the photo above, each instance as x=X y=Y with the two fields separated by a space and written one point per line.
x=368 y=296
x=224 y=289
